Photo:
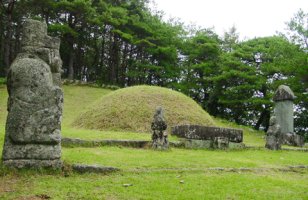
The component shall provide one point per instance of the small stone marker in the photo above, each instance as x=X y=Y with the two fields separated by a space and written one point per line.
x=81 y=168
x=159 y=126
x=273 y=135
x=127 y=185
x=33 y=126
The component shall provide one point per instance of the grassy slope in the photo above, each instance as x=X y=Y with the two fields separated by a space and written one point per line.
x=157 y=181
x=132 y=109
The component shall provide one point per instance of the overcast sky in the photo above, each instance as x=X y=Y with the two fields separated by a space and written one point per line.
x=251 y=18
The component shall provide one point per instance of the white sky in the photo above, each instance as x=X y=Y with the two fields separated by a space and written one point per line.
x=251 y=18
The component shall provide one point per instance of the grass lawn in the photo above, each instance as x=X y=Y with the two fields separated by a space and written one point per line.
x=131 y=159
x=174 y=174
x=157 y=185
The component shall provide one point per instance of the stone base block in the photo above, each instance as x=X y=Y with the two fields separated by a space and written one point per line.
x=160 y=144
x=272 y=143
x=293 y=139
x=209 y=144
x=31 y=151
x=33 y=164
x=221 y=143
x=197 y=144
x=299 y=140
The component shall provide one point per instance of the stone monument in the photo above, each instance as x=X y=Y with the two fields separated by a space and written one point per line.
x=284 y=108
x=283 y=111
x=159 y=126
x=33 y=126
x=273 y=135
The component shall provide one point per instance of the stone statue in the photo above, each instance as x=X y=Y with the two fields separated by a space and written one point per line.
x=273 y=135
x=159 y=126
x=33 y=126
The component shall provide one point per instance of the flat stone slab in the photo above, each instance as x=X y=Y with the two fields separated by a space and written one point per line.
x=198 y=132
x=71 y=142
x=184 y=143
x=81 y=168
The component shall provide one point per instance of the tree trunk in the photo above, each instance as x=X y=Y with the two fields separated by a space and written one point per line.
x=124 y=65
x=264 y=117
x=70 y=39
x=7 y=47
x=71 y=66
x=102 y=71
x=8 y=38
x=1 y=46
x=17 y=40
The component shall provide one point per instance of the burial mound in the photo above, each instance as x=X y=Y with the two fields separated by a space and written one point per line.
x=132 y=109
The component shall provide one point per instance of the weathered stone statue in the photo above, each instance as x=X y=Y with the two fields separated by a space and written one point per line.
x=284 y=115
x=273 y=135
x=33 y=127
x=159 y=135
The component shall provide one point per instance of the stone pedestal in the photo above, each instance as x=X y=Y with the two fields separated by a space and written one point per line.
x=33 y=126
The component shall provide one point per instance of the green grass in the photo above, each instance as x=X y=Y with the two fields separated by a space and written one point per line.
x=3 y=101
x=158 y=185
x=155 y=174
x=77 y=99
x=2 y=81
x=3 y=113
x=129 y=158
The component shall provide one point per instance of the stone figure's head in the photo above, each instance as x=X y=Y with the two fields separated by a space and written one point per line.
x=35 y=41
x=159 y=114
x=273 y=120
x=159 y=111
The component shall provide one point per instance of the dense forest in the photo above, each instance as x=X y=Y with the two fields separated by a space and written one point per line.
x=125 y=43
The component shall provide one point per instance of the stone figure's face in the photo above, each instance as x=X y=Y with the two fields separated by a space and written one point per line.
x=36 y=41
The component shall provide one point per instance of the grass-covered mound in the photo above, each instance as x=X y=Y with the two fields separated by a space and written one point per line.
x=132 y=109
